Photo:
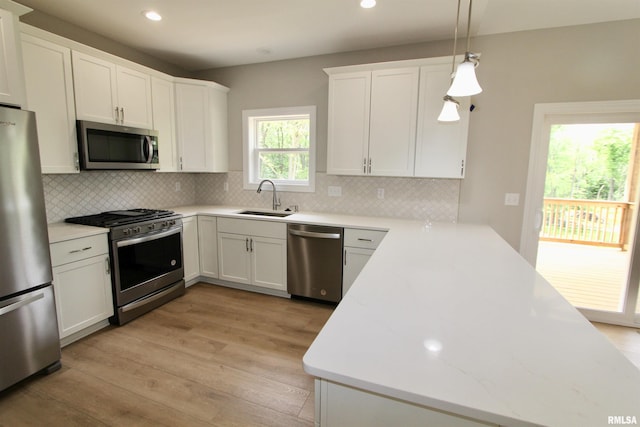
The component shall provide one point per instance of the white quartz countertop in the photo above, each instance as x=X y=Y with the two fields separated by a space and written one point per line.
x=449 y=316
x=61 y=231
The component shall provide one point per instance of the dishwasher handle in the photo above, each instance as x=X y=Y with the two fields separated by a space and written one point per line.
x=315 y=234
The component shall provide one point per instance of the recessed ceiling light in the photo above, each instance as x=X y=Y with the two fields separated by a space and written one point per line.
x=367 y=4
x=152 y=15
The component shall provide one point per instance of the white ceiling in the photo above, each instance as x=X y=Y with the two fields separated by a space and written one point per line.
x=202 y=34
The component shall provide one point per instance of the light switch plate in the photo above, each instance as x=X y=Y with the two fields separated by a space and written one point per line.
x=511 y=199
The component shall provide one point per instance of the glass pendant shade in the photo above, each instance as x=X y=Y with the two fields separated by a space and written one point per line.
x=465 y=82
x=449 y=111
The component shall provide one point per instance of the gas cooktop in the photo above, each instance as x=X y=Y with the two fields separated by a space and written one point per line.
x=122 y=217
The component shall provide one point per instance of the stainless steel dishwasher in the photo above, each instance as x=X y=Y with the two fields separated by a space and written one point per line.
x=314 y=261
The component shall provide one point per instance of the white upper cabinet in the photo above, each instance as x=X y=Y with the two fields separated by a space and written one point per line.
x=164 y=121
x=201 y=119
x=348 y=127
x=12 y=90
x=441 y=148
x=392 y=127
x=383 y=120
x=49 y=83
x=372 y=122
x=109 y=93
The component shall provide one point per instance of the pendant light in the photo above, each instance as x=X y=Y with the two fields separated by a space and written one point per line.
x=449 y=111
x=465 y=82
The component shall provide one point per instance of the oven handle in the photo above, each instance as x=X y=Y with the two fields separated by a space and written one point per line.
x=136 y=304
x=129 y=242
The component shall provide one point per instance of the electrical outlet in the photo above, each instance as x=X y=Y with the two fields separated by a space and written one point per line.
x=512 y=199
x=225 y=186
x=335 y=191
x=380 y=193
x=178 y=188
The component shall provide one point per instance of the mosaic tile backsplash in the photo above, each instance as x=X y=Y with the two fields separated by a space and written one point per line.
x=412 y=198
x=88 y=193
x=92 y=192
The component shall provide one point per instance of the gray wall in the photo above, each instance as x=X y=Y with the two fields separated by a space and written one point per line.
x=518 y=70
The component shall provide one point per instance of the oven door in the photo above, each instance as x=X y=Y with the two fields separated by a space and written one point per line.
x=145 y=264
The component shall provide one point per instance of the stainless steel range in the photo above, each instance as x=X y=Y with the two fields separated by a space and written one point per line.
x=146 y=258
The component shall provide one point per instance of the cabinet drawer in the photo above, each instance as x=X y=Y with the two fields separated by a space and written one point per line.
x=77 y=249
x=276 y=230
x=368 y=239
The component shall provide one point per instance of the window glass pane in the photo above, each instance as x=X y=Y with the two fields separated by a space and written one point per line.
x=290 y=166
x=283 y=133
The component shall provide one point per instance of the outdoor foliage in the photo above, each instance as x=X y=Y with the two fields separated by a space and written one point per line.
x=588 y=161
x=283 y=149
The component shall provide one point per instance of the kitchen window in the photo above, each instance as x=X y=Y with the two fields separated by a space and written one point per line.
x=279 y=144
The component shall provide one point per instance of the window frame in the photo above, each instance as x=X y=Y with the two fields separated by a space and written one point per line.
x=251 y=152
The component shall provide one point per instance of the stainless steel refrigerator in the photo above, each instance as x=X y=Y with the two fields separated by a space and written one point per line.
x=29 y=340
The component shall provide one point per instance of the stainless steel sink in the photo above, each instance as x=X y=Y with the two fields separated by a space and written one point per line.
x=266 y=213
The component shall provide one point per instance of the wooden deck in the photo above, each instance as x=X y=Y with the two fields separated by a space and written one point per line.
x=587 y=276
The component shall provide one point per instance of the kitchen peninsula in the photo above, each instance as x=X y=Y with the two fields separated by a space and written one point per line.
x=448 y=322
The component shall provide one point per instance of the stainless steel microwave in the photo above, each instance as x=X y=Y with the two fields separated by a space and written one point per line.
x=106 y=146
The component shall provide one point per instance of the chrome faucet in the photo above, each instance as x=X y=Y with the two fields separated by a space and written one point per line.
x=276 y=201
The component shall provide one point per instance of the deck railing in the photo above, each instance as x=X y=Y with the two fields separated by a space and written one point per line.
x=592 y=222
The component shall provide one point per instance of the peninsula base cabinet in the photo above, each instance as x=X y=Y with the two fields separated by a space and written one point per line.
x=359 y=245
x=82 y=285
x=253 y=253
x=338 y=405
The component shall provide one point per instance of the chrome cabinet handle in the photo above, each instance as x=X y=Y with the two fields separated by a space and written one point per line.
x=117 y=115
x=246 y=244
x=250 y=245
x=364 y=165
x=75 y=251
x=121 y=114
x=365 y=240
x=369 y=164
x=107 y=265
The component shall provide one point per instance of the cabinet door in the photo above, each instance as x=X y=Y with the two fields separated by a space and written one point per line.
x=234 y=258
x=134 y=98
x=164 y=121
x=95 y=88
x=269 y=262
x=354 y=261
x=83 y=294
x=394 y=106
x=208 y=246
x=49 y=82
x=190 y=251
x=348 y=123
x=441 y=148
x=194 y=132
x=12 y=89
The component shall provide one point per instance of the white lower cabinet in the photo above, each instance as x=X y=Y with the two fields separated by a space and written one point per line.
x=359 y=245
x=190 y=250
x=253 y=252
x=208 y=246
x=82 y=285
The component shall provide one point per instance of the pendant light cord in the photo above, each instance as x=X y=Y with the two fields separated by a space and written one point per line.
x=469 y=27
x=455 y=41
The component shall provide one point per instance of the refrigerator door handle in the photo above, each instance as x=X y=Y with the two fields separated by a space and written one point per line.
x=13 y=306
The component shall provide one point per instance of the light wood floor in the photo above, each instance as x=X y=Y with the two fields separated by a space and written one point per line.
x=215 y=356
